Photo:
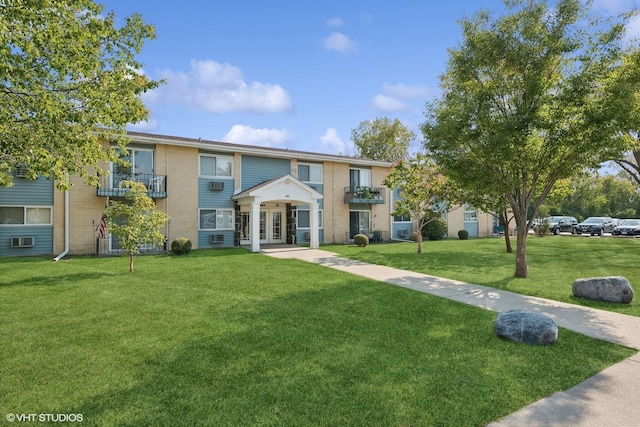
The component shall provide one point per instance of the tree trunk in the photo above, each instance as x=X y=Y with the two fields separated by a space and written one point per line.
x=504 y=219
x=131 y=263
x=521 y=250
x=419 y=243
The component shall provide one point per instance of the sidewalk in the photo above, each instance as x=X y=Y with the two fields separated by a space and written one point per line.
x=609 y=398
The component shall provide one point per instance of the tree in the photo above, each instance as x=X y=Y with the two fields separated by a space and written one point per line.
x=382 y=139
x=137 y=222
x=529 y=98
x=423 y=191
x=68 y=78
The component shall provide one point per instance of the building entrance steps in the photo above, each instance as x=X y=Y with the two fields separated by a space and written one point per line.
x=606 y=399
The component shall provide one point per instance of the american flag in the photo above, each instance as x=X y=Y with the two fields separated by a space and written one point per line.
x=102 y=228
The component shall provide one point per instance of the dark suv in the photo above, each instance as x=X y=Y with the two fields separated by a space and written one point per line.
x=562 y=223
x=596 y=225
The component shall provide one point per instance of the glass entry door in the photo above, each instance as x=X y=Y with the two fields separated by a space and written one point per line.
x=272 y=226
x=359 y=223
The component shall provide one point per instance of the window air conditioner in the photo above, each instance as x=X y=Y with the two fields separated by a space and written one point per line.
x=403 y=232
x=216 y=238
x=216 y=185
x=22 y=242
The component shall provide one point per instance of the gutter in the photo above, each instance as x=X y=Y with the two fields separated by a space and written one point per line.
x=66 y=227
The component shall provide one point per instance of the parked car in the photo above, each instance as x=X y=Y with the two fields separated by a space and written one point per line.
x=596 y=225
x=629 y=227
x=559 y=224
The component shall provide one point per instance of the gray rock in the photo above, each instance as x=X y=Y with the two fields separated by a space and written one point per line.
x=527 y=327
x=612 y=289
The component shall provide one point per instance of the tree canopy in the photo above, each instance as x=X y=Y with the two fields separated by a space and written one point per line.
x=530 y=97
x=68 y=78
x=382 y=139
x=423 y=191
x=136 y=221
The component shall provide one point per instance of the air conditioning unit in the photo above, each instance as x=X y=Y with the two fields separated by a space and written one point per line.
x=22 y=172
x=216 y=185
x=306 y=235
x=403 y=233
x=23 y=242
x=216 y=238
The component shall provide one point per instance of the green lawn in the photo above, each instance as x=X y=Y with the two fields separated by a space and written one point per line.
x=227 y=337
x=554 y=263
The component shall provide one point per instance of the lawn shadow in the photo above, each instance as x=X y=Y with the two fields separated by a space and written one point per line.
x=57 y=280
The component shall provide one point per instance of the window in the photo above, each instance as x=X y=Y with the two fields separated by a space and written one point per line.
x=216 y=219
x=470 y=214
x=216 y=166
x=304 y=218
x=310 y=173
x=402 y=218
x=24 y=215
x=359 y=178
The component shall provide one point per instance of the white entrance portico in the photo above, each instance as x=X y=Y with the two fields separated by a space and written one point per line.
x=266 y=219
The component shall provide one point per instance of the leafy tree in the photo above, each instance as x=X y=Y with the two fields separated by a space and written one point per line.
x=68 y=78
x=529 y=98
x=137 y=222
x=423 y=191
x=382 y=139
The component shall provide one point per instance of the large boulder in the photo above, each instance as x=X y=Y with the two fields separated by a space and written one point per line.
x=527 y=327
x=612 y=289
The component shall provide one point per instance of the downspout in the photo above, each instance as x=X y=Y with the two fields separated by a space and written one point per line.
x=66 y=225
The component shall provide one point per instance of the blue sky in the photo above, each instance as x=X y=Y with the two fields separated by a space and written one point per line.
x=298 y=74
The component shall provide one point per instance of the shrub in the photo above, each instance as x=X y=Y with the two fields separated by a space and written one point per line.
x=435 y=229
x=361 y=240
x=542 y=229
x=181 y=246
x=414 y=236
x=463 y=234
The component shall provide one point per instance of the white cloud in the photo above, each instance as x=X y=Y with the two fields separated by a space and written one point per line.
x=397 y=97
x=332 y=140
x=340 y=43
x=335 y=22
x=614 y=7
x=632 y=31
x=241 y=134
x=219 y=88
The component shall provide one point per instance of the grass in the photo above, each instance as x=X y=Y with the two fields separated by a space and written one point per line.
x=228 y=337
x=554 y=262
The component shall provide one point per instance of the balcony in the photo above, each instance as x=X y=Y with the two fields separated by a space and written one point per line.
x=365 y=195
x=156 y=185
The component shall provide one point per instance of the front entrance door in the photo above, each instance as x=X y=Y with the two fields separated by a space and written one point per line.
x=272 y=226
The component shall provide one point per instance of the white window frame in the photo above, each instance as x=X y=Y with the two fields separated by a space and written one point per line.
x=312 y=165
x=217 y=210
x=470 y=214
x=25 y=216
x=215 y=156
x=320 y=218
x=409 y=221
x=368 y=174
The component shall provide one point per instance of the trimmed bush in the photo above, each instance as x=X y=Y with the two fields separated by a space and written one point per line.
x=361 y=240
x=463 y=234
x=181 y=246
x=414 y=236
x=435 y=229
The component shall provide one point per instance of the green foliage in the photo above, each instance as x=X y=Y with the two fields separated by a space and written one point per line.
x=529 y=97
x=361 y=240
x=382 y=139
x=435 y=229
x=68 y=79
x=424 y=191
x=137 y=221
x=181 y=246
x=463 y=234
x=542 y=229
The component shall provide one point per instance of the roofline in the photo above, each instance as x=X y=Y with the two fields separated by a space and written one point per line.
x=227 y=147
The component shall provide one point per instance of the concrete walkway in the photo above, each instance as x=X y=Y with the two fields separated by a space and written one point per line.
x=610 y=398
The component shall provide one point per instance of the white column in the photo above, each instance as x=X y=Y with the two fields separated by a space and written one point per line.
x=255 y=227
x=314 y=227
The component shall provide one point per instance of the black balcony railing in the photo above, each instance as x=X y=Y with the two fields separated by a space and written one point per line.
x=367 y=195
x=156 y=185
